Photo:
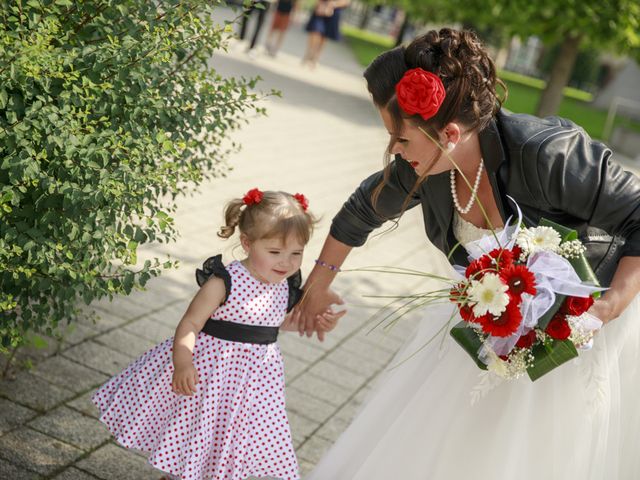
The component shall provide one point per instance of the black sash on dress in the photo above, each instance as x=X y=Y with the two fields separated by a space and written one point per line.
x=238 y=332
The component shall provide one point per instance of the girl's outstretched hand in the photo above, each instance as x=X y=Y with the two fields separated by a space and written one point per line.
x=327 y=321
x=185 y=379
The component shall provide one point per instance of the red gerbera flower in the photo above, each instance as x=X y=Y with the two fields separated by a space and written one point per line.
x=457 y=292
x=516 y=251
x=504 y=325
x=479 y=267
x=519 y=279
x=502 y=258
x=466 y=312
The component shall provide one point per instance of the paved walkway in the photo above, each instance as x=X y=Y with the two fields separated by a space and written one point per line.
x=321 y=138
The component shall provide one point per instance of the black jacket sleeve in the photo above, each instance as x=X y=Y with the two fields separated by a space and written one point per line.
x=358 y=217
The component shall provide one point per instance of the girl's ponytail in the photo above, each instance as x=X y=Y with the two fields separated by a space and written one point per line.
x=232 y=217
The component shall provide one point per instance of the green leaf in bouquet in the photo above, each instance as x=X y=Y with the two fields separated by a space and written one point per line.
x=468 y=339
x=546 y=358
x=544 y=320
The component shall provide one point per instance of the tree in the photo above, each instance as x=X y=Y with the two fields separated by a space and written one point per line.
x=108 y=112
x=572 y=24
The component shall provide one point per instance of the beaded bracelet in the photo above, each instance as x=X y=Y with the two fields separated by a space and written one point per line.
x=333 y=268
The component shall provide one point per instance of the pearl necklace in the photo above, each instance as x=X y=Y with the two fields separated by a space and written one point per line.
x=474 y=190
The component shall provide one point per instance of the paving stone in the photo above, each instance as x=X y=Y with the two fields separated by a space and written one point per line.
x=9 y=471
x=74 y=474
x=344 y=358
x=76 y=332
x=150 y=328
x=338 y=375
x=122 y=307
x=84 y=404
x=124 y=342
x=13 y=415
x=332 y=429
x=72 y=427
x=301 y=428
x=34 y=392
x=308 y=406
x=69 y=374
x=349 y=411
x=313 y=449
x=291 y=344
x=306 y=467
x=36 y=451
x=100 y=320
x=368 y=350
x=112 y=462
x=322 y=389
x=98 y=357
x=293 y=367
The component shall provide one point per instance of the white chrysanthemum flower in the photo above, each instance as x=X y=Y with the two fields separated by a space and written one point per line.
x=489 y=295
x=538 y=239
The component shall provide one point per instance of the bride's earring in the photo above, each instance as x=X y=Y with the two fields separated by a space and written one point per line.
x=450 y=146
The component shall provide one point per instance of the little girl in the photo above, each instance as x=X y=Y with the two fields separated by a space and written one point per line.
x=209 y=403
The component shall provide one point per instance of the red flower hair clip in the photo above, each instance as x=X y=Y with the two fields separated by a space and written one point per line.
x=420 y=92
x=252 y=197
x=302 y=200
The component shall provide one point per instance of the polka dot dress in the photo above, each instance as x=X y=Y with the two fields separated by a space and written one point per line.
x=235 y=425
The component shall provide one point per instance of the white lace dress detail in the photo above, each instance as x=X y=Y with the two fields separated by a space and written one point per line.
x=465 y=231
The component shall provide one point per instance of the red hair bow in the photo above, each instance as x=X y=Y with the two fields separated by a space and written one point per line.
x=302 y=200
x=252 y=197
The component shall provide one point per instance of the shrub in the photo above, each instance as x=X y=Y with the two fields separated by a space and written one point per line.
x=108 y=112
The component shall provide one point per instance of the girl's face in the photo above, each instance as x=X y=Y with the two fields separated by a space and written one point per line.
x=415 y=147
x=271 y=260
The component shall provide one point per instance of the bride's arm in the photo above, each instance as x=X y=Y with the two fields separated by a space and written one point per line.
x=317 y=294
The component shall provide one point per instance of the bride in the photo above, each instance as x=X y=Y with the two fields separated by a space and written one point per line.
x=436 y=416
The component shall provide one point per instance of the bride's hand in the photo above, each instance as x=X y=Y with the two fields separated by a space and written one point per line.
x=315 y=302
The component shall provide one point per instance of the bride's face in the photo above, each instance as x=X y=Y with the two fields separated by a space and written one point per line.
x=415 y=147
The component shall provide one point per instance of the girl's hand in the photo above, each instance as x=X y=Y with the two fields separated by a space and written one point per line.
x=185 y=379
x=328 y=320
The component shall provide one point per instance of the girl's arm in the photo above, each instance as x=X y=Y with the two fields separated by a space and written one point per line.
x=208 y=298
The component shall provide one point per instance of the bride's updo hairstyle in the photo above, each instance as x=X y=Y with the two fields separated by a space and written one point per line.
x=460 y=60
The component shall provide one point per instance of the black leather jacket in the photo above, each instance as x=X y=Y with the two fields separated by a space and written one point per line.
x=550 y=167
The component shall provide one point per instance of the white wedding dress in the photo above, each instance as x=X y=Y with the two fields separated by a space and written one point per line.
x=437 y=416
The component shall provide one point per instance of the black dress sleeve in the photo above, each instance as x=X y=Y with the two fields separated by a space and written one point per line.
x=213 y=267
x=295 y=292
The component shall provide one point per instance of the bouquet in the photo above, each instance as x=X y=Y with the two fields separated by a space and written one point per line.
x=523 y=300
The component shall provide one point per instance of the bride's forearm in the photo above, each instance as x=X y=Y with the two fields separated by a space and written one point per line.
x=328 y=263
x=623 y=289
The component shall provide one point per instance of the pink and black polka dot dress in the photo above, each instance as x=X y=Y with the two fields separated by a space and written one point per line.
x=235 y=425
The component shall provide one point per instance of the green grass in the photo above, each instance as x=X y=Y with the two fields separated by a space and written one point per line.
x=524 y=91
x=366 y=45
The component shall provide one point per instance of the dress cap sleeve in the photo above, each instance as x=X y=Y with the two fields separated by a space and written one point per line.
x=213 y=266
x=295 y=292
